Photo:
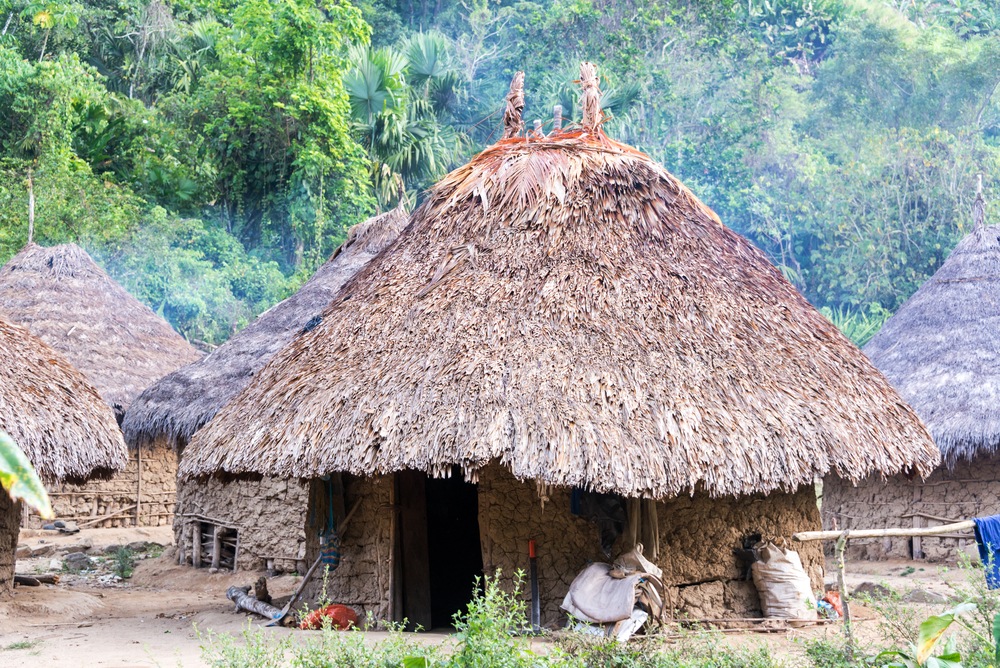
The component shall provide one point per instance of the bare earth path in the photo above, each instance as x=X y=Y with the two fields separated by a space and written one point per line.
x=151 y=619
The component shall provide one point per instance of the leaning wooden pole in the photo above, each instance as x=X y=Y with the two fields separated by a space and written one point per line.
x=965 y=525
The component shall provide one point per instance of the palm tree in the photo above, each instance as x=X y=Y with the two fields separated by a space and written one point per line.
x=400 y=103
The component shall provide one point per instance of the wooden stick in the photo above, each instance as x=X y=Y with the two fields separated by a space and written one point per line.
x=104 y=517
x=138 y=484
x=842 y=586
x=804 y=536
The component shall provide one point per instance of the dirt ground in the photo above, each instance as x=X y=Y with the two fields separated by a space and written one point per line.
x=154 y=618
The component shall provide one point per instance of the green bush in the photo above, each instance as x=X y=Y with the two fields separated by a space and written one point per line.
x=124 y=562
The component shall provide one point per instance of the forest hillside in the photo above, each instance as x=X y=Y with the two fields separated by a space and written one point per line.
x=212 y=153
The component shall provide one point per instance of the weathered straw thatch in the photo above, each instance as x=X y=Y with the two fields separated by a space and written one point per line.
x=64 y=298
x=180 y=403
x=565 y=306
x=53 y=413
x=941 y=350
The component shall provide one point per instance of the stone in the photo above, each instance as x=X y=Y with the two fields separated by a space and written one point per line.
x=138 y=546
x=23 y=551
x=924 y=596
x=77 y=561
x=111 y=549
x=872 y=590
x=43 y=551
x=82 y=546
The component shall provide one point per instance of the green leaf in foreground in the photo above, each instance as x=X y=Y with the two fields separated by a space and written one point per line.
x=19 y=478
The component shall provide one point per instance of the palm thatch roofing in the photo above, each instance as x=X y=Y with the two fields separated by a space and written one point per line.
x=941 y=350
x=565 y=306
x=53 y=413
x=180 y=403
x=63 y=297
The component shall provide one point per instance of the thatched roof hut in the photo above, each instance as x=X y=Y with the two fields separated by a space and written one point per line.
x=63 y=297
x=564 y=306
x=57 y=418
x=941 y=350
x=181 y=402
x=53 y=413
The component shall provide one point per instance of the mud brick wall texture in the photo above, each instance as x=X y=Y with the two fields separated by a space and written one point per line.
x=269 y=515
x=970 y=490
x=116 y=497
x=697 y=536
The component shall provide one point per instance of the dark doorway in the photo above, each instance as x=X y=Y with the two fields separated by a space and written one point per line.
x=439 y=547
x=454 y=548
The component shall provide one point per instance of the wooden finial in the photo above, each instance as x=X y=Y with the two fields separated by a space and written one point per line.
x=512 y=122
x=591 y=99
x=979 y=206
x=557 y=118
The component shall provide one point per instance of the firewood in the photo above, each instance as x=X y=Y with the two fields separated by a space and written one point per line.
x=244 y=601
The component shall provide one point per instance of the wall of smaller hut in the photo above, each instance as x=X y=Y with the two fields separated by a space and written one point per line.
x=115 y=498
x=268 y=514
x=10 y=523
x=970 y=490
x=697 y=537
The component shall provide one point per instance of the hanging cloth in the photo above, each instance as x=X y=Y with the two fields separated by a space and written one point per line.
x=644 y=526
x=988 y=540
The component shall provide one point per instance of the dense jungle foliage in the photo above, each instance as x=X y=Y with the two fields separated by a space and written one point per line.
x=211 y=153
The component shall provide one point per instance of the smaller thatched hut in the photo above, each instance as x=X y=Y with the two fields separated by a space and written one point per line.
x=64 y=298
x=179 y=404
x=941 y=351
x=57 y=418
x=562 y=318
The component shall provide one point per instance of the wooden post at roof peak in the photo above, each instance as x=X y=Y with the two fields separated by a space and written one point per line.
x=512 y=121
x=591 y=98
x=978 y=205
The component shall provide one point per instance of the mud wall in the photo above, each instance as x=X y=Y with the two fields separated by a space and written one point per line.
x=362 y=578
x=269 y=515
x=697 y=537
x=10 y=523
x=116 y=497
x=970 y=490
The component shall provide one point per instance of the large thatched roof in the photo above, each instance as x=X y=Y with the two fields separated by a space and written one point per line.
x=53 y=413
x=567 y=307
x=180 y=403
x=941 y=350
x=65 y=299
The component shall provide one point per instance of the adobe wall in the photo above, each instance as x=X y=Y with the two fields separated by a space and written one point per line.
x=269 y=515
x=362 y=578
x=117 y=496
x=697 y=537
x=10 y=523
x=971 y=490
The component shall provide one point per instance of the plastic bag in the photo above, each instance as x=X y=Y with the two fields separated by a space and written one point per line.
x=782 y=584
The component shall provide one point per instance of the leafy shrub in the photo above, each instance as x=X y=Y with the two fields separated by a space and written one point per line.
x=123 y=563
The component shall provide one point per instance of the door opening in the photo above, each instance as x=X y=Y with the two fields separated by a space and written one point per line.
x=440 y=553
x=454 y=547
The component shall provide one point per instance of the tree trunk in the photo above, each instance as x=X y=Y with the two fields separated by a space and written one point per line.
x=10 y=526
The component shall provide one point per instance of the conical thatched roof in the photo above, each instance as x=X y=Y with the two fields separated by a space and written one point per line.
x=53 y=413
x=566 y=307
x=180 y=403
x=941 y=350
x=64 y=298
